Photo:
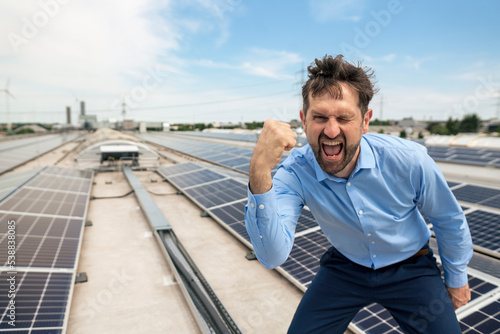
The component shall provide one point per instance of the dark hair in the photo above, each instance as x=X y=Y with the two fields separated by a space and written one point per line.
x=327 y=75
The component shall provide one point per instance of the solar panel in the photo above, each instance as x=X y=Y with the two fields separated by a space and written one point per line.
x=41 y=300
x=485 y=229
x=235 y=161
x=43 y=241
x=475 y=194
x=493 y=202
x=177 y=169
x=61 y=182
x=376 y=319
x=303 y=262
x=48 y=212
x=244 y=168
x=196 y=178
x=47 y=202
x=485 y=320
x=306 y=221
x=218 y=193
x=452 y=184
x=19 y=151
x=233 y=216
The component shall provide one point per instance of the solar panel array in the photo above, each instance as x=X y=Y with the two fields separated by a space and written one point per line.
x=483 y=215
x=237 y=158
x=17 y=152
x=48 y=213
x=465 y=155
x=302 y=140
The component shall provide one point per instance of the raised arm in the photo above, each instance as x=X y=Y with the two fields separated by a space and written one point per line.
x=271 y=225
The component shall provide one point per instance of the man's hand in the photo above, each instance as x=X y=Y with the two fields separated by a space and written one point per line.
x=275 y=138
x=459 y=296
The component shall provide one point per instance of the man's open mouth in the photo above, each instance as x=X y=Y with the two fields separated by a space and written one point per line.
x=332 y=148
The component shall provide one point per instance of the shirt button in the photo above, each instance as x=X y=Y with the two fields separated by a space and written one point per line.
x=373 y=242
x=348 y=184
x=360 y=212
x=368 y=234
x=252 y=205
x=260 y=236
x=374 y=256
x=261 y=206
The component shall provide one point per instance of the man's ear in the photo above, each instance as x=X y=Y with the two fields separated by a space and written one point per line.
x=366 y=120
x=303 y=119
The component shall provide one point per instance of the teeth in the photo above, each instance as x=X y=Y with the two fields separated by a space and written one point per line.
x=331 y=143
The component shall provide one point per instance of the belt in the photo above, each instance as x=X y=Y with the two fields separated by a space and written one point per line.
x=423 y=251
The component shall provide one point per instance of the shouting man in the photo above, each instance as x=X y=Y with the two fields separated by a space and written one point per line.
x=368 y=193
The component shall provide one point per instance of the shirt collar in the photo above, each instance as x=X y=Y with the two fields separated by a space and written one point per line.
x=366 y=160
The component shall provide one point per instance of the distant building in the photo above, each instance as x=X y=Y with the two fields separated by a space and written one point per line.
x=128 y=124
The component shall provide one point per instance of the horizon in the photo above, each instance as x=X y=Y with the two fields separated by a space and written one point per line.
x=203 y=61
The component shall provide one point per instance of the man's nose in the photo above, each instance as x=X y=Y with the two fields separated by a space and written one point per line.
x=332 y=129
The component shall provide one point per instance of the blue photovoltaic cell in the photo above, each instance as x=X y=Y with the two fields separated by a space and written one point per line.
x=233 y=215
x=475 y=194
x=49 y=215
x=485 y=320
x=244 y=168
x=305 y=221
x=61 y=182
x=452 y=184
x=485 y=229
x=375 y=319
x=303 y=262
x=195 y=178
x=41 y=300
x=177 y=169
x=46 y=201
x=218 y=193
x=493 y=202
x=236 y=161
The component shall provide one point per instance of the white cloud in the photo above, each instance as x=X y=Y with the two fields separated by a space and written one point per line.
x=91 y=49
x=260 y=62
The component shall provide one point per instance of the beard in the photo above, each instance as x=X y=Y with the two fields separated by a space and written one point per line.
x=333 y=167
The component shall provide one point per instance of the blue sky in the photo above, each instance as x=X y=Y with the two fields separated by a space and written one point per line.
x=239 y=60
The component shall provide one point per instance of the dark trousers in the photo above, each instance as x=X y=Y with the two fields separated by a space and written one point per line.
x=412 y=291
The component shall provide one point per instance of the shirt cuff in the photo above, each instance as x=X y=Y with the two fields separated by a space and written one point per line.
x=456 y=280
x=261 y=206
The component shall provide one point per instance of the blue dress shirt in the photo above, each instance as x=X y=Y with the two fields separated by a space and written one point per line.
x=372 y=217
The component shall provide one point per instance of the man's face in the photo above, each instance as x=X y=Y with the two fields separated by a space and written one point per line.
x=334 y=128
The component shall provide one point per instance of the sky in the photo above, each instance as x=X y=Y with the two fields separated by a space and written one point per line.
x=200 y=61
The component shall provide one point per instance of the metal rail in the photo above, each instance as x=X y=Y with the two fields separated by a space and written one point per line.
x=214 y=317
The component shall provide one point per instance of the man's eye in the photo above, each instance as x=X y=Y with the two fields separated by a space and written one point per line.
x=319 y=118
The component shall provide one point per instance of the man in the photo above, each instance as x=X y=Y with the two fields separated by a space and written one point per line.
x=365 y=191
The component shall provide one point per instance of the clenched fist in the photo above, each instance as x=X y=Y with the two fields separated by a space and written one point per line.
x=275 y=138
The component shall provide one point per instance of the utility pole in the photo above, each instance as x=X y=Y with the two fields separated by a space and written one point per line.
x=124 y=111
